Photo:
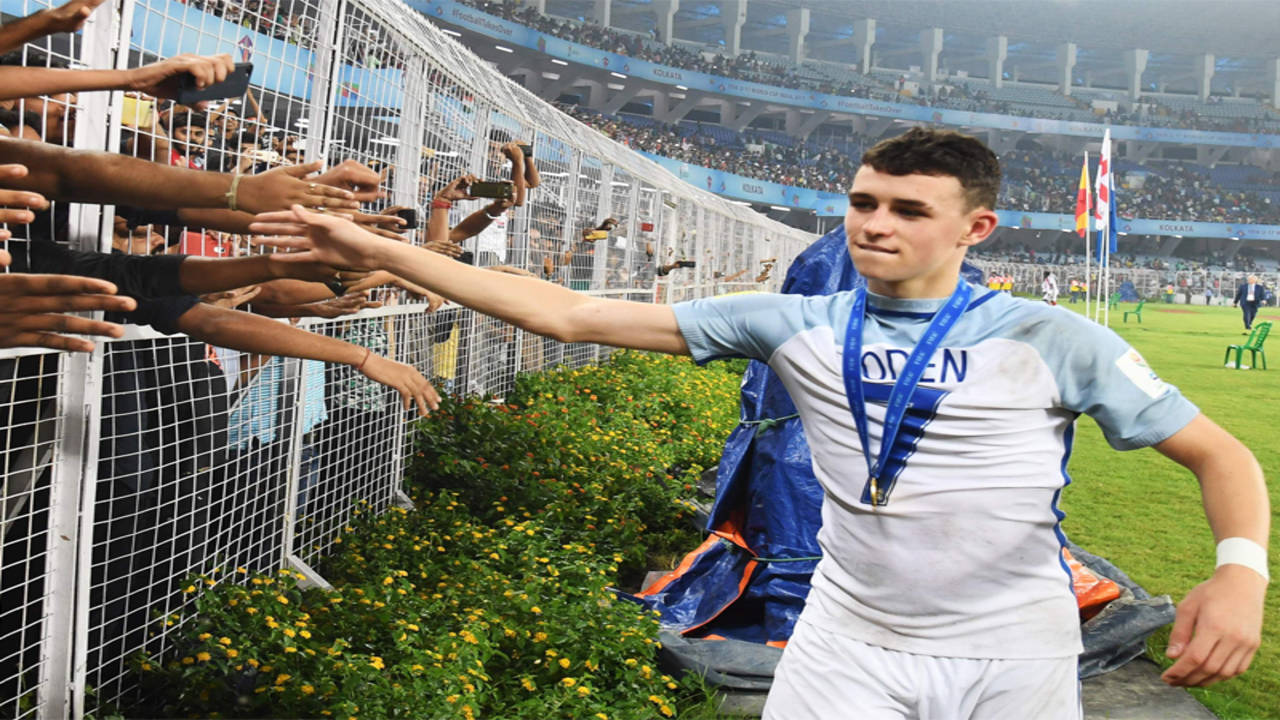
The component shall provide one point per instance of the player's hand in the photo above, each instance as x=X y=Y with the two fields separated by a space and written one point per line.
x=316 y=237
x=1218 y=628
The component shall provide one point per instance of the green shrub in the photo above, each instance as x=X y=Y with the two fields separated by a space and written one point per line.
x=492 y=597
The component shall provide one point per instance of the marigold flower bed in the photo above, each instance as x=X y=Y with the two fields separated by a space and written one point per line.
x=490 y=599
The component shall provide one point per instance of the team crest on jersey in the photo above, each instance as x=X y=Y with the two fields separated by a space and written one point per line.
x=1139 y=373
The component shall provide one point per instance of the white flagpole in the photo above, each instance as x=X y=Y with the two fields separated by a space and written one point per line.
x=1104 y=241
x=1088 y=223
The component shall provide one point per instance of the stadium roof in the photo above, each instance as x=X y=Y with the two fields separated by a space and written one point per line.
x=1236 y=28
x=1240 y=33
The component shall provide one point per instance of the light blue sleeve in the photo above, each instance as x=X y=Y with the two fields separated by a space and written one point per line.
x=1102 y=376
x=730 y=326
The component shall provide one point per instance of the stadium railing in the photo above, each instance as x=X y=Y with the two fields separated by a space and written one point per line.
x=156 y=456
x=1148 y=283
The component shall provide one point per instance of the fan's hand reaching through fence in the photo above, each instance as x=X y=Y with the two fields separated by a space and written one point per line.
x=404 y=379
x=30 y=307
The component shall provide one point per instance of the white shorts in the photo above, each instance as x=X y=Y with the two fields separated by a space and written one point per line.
x=823 y=675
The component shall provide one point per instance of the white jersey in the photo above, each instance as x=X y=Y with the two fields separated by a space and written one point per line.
x=964 y=558
x=1050 y=289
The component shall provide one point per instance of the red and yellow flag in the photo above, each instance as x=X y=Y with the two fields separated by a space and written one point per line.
x=1082 y=200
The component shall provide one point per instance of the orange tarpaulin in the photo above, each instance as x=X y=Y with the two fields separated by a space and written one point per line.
x=1092 y=592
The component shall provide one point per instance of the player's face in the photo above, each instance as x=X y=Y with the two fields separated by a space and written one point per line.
x=907 y=233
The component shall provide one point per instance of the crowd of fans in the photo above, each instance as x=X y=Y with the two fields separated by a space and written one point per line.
x=749 y=66
x=801 y=165
x=206 y=406
x=1034 y=181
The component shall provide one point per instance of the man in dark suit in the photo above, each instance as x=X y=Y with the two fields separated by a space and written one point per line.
x=1249 y=296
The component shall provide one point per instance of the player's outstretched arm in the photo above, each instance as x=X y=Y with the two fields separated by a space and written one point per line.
x=537 y=306
x=1219 y=623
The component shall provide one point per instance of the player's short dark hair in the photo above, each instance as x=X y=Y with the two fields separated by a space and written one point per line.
x=929 y=151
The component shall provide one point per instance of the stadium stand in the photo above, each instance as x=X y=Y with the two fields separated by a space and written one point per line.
x=1022 y=99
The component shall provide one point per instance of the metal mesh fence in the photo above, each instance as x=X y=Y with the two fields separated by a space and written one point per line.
x=158 y=456
x=1192 y=287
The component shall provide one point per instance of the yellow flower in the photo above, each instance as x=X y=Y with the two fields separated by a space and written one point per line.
x=252 y=662
x=666 y=710
x=535 y=610
x=540 y=636
x=306 y=634
x=224 y=641
x=188 y=660
x=602 y=716
x=203 y=636
x=671 y=686
x=527 y=684
x=564 y=663
x=282 y=678
x=583 y=690
x=307 y=689
x=451 y=699
x=203 y=656
x=568 y=682
x=282 y=600
x=146 y=666
x=376 y=662
x=251 y=610
x=412 y=627
x=290 y=632
x=232 y=652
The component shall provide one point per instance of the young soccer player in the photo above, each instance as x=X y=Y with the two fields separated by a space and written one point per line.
x=940 y=417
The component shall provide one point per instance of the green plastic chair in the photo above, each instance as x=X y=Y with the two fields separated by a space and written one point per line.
x=1253 y=345
x=1136 y=312
x=1114 y=301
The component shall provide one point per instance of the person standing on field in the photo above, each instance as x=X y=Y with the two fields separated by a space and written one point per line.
x=1249 y=296
x=1049 y=289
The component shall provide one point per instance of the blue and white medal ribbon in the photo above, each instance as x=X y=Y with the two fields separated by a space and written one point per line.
x=900 y=396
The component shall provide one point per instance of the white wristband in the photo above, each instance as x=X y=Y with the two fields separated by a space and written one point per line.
x=1243 y=551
